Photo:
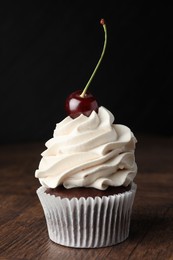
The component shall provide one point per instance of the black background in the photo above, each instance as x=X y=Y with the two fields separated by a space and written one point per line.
x=49 y=49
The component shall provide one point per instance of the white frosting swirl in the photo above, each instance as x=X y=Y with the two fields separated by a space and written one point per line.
x=89 y=152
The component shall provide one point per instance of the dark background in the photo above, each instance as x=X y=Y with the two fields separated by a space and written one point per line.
x=49 y=49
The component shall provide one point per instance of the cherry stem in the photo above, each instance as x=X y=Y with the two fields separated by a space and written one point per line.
x=102 y=22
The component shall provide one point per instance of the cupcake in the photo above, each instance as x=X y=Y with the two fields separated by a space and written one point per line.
x=86 y=176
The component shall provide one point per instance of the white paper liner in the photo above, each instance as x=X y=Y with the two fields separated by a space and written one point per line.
x=88 y=222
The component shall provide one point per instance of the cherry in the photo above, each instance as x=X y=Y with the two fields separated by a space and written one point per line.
x=76 y=105
x=83 y=102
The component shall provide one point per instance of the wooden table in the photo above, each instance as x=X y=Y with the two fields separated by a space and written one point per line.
x=23 y=232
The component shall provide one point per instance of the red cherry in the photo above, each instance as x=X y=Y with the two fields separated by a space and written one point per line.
x=76 y=105
x=83 y=102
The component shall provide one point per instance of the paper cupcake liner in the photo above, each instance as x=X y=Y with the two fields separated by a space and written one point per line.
x=88 y=222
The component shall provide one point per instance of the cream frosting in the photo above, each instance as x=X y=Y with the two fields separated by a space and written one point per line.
x=89 y=152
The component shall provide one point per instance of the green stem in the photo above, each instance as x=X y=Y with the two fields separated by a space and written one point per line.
x=98 y=63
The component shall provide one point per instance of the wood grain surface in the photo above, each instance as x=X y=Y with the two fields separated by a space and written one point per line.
x=23 y=231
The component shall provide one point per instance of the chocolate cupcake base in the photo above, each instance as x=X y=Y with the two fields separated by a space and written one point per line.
x=88 y=222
